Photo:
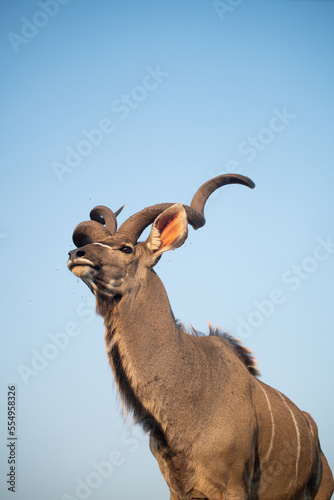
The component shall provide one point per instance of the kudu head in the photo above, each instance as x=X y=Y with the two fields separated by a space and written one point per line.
x=112 y=262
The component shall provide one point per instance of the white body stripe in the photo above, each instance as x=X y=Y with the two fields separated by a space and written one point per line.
x=298 y=436
x=272 y=425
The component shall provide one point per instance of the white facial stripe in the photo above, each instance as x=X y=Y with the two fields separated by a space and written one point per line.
x=298 y=436
x=102 y=245
x=108 y=246
x=272 y=425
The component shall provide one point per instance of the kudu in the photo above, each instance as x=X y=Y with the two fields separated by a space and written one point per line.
x=216 y=431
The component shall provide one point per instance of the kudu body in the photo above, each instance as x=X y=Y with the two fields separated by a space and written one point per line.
x=216 y=431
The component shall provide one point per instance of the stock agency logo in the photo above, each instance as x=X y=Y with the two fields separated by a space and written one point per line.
x=30 y=27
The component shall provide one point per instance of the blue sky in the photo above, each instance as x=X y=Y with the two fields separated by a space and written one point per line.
x=138 y=103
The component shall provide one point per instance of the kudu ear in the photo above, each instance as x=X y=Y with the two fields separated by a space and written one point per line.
x=169 y=230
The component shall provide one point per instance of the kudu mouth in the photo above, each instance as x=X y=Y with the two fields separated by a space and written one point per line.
x=82 y=263
x=90 y=271
x=77 y=259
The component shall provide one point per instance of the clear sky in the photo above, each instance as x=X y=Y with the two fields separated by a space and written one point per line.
x=138 y=103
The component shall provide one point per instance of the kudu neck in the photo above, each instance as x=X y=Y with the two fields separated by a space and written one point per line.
x=147 y=350
x=146 y=311
x=146 y=304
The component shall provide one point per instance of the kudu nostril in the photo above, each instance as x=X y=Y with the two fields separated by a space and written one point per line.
x=80 y=253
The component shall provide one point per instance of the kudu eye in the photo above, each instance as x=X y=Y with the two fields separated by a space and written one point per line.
x=126 y=249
